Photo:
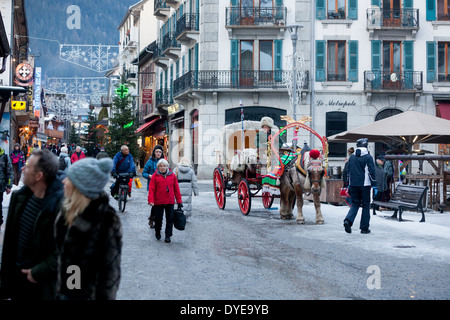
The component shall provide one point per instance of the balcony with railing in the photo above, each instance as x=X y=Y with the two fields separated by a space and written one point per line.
x=223 y=80
x=161 y=10
x=256 y=16
x=163 y=97
x=401 y=19
x=407 y=81
x=187 y=31
x=160 y=58
x=173 y=3
x=171 y=47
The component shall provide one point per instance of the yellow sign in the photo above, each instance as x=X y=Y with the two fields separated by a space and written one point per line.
x=173 y=108
x=18 y=105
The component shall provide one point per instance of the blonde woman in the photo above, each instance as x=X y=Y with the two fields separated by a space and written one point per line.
x=88 y=235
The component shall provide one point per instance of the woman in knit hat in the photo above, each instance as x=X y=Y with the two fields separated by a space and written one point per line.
x=88 y=234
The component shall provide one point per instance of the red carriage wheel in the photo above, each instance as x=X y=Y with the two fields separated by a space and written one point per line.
x=244 y=197
x=219 y=188
x=267 y=199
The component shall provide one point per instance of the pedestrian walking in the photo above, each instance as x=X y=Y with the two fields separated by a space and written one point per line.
x=88 y=234
x=162 y=193
x=18 y=161
x=380 y=175
x=389 y=170
x=149 y=170
x=64 y=160
x=6 y=178
x=102 y=154
x=187 y=182
x=350 y=152
x=29 y=252
x=361 y=177
x=77 y=155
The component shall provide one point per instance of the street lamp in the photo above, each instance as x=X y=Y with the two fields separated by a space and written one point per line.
x=293 y=29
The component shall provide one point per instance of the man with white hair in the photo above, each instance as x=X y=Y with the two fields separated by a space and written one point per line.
x=77 y=155
x=123 y=162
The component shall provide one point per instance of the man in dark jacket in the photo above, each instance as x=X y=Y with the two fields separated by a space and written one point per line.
x=123 y=162
x=361 y=177
x=28 y=269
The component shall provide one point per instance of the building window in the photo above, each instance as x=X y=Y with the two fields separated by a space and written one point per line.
x=336 y=61
x=336 y=9
x=336 y=122
x=443 y=10
x=443 y=61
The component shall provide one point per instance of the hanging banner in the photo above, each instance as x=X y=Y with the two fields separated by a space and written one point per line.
x=147 y=96
x=37 y=92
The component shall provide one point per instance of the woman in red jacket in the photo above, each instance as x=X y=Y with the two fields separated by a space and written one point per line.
x=162 y=192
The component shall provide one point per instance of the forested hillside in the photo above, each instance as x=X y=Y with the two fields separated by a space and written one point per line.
x=47 y=19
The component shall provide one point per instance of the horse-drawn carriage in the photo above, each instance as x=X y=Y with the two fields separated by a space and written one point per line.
x=240 y=170
x=248 y=170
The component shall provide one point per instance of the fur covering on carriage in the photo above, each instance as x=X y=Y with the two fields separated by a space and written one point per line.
x=232 y=158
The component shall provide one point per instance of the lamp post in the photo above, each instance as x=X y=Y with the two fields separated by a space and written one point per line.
x=293 y=29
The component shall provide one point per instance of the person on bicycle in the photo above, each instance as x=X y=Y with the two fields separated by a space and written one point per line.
x=123 y=162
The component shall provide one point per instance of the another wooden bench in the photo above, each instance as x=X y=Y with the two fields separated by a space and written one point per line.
x=405 y=197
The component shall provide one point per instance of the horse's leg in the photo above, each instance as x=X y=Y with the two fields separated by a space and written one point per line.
x=299 y=194
x=319 y=217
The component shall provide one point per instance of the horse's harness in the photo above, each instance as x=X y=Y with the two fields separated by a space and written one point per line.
x=315 y=164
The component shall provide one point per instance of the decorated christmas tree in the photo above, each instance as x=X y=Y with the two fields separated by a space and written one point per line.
x=122 y=124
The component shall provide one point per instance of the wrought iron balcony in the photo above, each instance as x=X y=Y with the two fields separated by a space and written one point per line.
x=379 y=81
x=159 y=57
x=256 y=16
x=407 y=19
x=226 y=80
x=187 y=29
x=161 y=10
x=170 y=46
x=163 y=97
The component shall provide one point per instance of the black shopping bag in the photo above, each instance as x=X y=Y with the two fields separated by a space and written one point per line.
x=179 y=219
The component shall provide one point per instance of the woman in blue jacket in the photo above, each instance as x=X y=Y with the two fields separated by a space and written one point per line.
x=149 y=170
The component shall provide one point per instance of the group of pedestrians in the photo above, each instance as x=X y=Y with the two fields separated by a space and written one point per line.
x=62 y=239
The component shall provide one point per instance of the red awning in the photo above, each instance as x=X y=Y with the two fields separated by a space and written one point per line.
x=147 y=124
x=444 y=108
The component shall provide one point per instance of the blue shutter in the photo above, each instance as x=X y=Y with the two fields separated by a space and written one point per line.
x=320 y=60
x=352 y=10
x=278 y=60
x=234 y=14
x=431 y=61
x=407 y=4
x=431 y=10
x=408 y=65
x=234 y=64
x=353 y=61
x=196 y=58
x=321 y=10
x=376 y=3
x=376 y=64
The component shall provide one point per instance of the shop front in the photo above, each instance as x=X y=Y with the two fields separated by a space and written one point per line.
x=153 y=132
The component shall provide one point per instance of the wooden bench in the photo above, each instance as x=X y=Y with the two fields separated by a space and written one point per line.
x=405 y=197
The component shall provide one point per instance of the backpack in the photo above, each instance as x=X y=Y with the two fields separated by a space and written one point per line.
x=62 y=163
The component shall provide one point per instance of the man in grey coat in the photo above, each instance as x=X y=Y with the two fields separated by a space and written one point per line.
x=188 y=184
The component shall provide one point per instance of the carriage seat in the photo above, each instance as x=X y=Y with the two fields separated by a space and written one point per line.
x=243 y=159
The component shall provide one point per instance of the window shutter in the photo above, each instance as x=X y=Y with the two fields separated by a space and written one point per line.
x=407 y=4
x=278 y=59
x=353 y=61
x=376 y=55
x=431 y=61
x=320 y=60
x=431 y=10
x=376 y=3
x=234 y=63
x=408 y=67
x=321 y=11
x=352 y=10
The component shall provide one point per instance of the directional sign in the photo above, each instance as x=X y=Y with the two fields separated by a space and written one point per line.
x=18 y=105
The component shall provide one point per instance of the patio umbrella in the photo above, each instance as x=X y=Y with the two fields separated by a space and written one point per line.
x=409 y=127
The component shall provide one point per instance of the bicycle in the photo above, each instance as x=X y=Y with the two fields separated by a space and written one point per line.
x=122 y=180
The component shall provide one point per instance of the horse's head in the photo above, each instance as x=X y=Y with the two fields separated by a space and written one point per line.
x=315 y=177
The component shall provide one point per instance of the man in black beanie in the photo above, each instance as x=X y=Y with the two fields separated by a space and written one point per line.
x=361 y=177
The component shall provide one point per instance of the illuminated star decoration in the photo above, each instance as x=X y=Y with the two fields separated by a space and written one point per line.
x=122 y=91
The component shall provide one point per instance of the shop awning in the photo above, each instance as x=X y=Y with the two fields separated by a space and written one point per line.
x=444 y=108
x=147 y=124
